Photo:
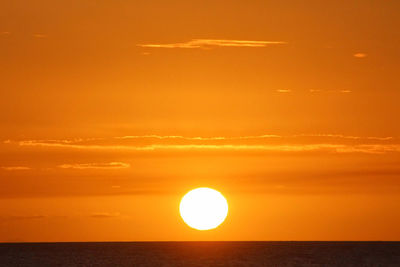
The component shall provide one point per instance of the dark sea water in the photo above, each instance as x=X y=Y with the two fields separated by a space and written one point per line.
x=202 y=254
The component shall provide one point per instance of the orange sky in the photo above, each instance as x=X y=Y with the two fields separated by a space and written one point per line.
x=110 y=111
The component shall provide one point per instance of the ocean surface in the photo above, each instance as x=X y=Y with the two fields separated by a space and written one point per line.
x=188 y=254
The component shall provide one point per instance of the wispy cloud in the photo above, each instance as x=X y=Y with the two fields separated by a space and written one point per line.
x=109 y=165
x=284 y=90
x=39 y=35
x=15 y=168
x=208 y=43
x=104 y=215
x=268 y=143
x=341 y=136
x=201 y=138
x=360 y=55
x=22 y=217
x=329 y=91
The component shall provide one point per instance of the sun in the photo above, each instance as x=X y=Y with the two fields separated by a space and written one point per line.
x=203 y=208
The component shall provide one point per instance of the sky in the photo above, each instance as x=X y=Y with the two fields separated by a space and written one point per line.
x=110 y=111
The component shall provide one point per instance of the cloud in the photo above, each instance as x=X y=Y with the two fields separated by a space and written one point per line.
x=360 y=55
x=22 y=217
x=104 y=215
x=16 y=168
x=109 y=166
x=340 y=136
x=327 y=143
x=329 y=179
x=39 y=35
x=284 y=90
x=329 y=91
x=161 y=137
x=208 y=43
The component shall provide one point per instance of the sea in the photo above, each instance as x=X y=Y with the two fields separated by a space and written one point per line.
x=187 y=254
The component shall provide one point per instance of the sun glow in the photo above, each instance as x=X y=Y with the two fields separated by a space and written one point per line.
x=203 y=208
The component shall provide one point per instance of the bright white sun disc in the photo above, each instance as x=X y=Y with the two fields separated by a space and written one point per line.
x=203 y=208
